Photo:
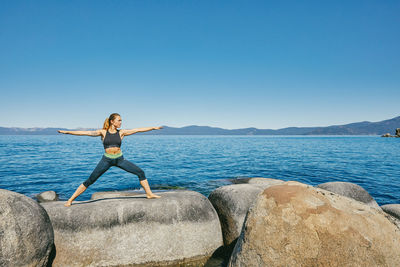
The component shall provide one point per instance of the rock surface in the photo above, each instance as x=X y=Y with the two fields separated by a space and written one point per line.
x=350 y=190
x=47 y=196
x=295 y=224
x=232 y=203
x=255 y=180
x=114 y=194
x=394 y=211
x=264 y=181
x=178 y=228
x=26 y=234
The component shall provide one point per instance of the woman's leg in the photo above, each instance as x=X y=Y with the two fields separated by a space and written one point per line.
x=78 y=191
x=132 y=168
x=101 y=168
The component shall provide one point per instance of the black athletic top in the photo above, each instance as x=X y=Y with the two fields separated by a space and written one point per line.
x=112 y=140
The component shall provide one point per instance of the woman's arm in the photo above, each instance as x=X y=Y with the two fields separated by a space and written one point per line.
x=88 y=133
x=139 y=130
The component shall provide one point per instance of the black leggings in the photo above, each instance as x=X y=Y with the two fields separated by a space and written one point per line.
x=106 y=162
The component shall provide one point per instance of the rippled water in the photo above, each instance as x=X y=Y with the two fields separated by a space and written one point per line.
x=33 y=164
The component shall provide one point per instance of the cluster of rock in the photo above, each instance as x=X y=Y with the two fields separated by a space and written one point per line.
x=259 y=222
x=389 y=135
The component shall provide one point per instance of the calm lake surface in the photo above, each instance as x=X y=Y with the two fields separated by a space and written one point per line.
x=32 y=164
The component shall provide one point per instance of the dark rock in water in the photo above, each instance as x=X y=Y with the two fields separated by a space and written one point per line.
x=232 y=203
x=239 y=180
x=350 y=190
x=181 y=227
x=389 y=135
x=47 y=196
x=26 y=233
x=295 y=224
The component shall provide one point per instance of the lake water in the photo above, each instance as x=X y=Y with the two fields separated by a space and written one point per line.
x=33 y=164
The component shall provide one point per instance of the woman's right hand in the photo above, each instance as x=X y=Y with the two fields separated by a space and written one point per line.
x=61 y=131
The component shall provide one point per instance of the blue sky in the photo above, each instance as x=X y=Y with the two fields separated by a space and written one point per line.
x=229 y=64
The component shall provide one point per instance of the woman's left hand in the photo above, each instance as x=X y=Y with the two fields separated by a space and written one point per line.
x=158 y=128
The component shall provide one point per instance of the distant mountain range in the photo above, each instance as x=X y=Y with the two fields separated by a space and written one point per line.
x=358 y=128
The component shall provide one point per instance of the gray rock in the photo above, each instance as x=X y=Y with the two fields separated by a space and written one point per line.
x=47 y=196
x=255 y=180
x=26 y=233
x=113 y=194
x=264 y=181
x=394 y=211
x=232 y=203
x=350 y=190
x=180 y=227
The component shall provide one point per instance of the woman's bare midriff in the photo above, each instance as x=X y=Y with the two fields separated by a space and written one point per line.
x=113 y=150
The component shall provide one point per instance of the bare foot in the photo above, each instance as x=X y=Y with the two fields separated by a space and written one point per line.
x=153 y=196
x=68 y=204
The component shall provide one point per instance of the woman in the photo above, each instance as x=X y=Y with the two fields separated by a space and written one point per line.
x=112 y=138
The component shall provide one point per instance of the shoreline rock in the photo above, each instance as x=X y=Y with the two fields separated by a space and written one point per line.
x=393 y=210
x=26 y=233
x=295 y=224
x=350 y=190
x=47 y=196
x=232 y=203
x=389 y=135
x=180 y=227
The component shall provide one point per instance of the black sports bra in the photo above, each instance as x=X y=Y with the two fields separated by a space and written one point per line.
x=112 y=140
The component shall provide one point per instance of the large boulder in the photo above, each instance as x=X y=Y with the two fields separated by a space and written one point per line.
x=295 y=224
x=350 y=190
x=26 y=234
x=180 y=227
x=232 y=203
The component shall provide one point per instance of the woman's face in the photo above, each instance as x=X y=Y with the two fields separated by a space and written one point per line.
x=117 y=122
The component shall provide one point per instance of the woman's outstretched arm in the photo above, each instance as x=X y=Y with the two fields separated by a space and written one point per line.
x=139 y=130
x=88 y=133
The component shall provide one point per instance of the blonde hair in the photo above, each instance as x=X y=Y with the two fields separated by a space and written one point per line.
x=107 y=122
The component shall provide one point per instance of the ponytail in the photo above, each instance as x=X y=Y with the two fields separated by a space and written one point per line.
x=107 y=122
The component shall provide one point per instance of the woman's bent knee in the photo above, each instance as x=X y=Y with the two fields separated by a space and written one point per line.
x=141 y=175
x=87 y=183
